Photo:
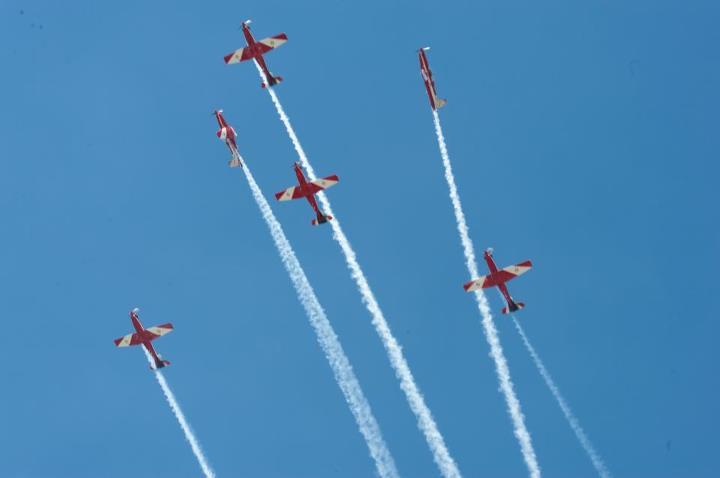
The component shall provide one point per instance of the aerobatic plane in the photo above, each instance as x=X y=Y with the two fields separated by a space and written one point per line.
x=435 y=102
x=227 y=134
x=144 y=337
x=308 y=189
x=498 y=278
x=255 y=51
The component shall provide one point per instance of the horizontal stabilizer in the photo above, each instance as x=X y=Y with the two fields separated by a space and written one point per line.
x=274 y=80
x=514 y=307
x=160 y=364
x=235 y=163
x=321 y=220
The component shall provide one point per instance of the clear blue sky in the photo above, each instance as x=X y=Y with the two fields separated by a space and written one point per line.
x=583 y=135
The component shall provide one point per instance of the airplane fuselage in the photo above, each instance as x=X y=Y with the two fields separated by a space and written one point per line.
x=500 y=284
x=257 y=54
x=435 y=102
x=146 y=338
x=227 y=134
x=308 y=195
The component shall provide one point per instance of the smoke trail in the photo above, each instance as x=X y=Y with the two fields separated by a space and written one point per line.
x=175 y=406
x=496 y=351
x=426 y=423
x=569 y=416
x=329 y=342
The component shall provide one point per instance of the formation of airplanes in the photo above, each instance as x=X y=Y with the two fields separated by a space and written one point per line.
x=308 y=188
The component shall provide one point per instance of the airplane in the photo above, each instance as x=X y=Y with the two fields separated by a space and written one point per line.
x=255 y=51
x=435 y=102
x=227 y=133
x=498 y=278
x=145 y=337
x=308 y=189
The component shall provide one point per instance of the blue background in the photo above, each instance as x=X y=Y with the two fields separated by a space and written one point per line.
x=583 y=136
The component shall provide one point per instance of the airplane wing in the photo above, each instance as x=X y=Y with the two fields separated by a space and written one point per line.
x=269 y=43
x=508 y=273
x=313 y=186
x=502 y=276
x=239 y=55
x=482 y=282
x=128 y=340
x=294 y=192
x=160 y=330
x=317 y=185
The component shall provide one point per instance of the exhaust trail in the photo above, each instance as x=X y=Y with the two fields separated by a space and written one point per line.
x=426 y=422
x=496 y=352
x=597 y=461
x=175 y=406
x=328 y=340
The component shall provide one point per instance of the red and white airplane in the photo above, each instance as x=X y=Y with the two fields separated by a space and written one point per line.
x=144 y=337
x=435 y=102
x=498 y=278
x=227 y=134
x=308 y=189
x=255 y=51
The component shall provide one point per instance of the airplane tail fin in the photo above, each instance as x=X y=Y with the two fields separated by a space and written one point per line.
x=514 y=307
x=235 y=160
x=321 y=219
x=274 y=80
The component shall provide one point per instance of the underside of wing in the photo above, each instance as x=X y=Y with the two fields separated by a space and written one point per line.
x=128 y=340
x=160 y=330
x=482 y=282
x=294 y=192
x=511 y=272
x=323 y=183
x=267 y=44
x=239 y=55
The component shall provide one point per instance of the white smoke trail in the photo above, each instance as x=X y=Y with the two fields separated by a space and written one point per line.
x=328 y=340
x=569 y=416
x=496 y=351
x=426 y=423
x=175 y=406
